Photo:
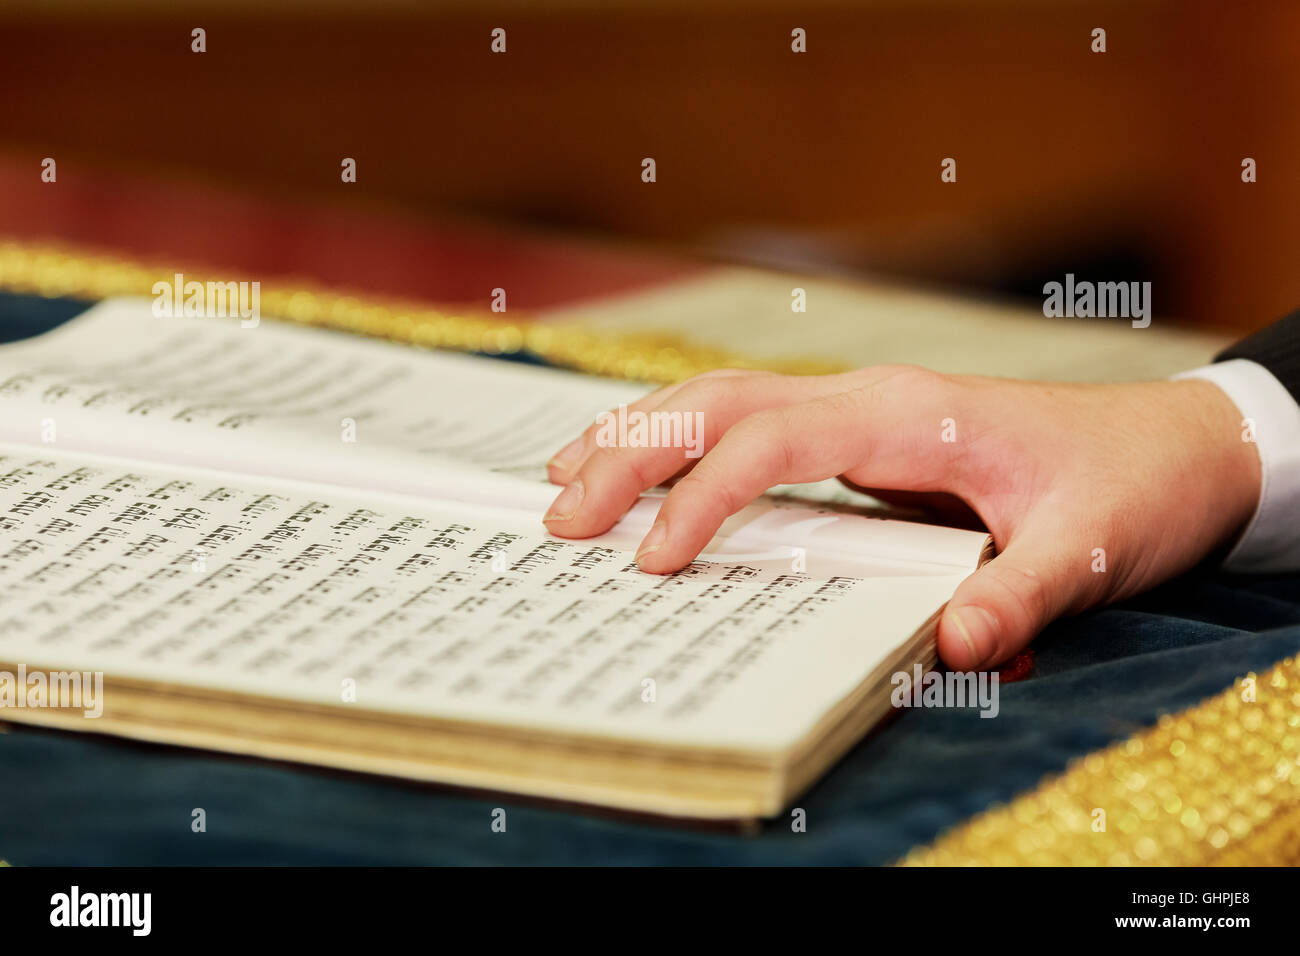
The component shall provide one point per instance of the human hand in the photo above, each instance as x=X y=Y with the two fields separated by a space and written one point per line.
x=1154 y=474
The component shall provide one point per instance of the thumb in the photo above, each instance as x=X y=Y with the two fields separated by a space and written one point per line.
x=1003 y=605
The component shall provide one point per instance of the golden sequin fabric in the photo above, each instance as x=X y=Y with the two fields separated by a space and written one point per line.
x=1218 y=784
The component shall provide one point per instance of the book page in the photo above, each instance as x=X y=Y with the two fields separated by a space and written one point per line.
x=313 y=405
x=290 y=401
x=387 y=602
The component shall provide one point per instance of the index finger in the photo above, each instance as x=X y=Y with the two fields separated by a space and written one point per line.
x=877 y=432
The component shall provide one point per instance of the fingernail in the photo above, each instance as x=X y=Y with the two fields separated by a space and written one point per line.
x=568 y=455
x=978 y=630
x=566 y=505
x=653 y=541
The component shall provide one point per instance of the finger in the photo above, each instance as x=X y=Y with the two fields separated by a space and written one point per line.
x=564 y=466
x=873 y=432
x=1000 y=608
x=611 y=478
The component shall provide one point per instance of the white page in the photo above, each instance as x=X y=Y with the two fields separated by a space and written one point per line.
x=289 y=589
x=272 y=400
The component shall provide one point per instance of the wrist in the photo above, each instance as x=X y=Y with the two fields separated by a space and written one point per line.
x=1225 y=452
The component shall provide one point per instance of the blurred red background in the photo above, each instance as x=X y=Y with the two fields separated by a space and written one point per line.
x=1125 y=164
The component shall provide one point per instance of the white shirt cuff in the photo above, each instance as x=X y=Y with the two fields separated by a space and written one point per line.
x=1271 y=541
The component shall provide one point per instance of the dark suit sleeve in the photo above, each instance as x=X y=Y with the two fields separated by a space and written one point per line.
x=1277 y=348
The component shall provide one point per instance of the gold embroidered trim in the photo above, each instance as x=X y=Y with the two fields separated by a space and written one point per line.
x=54 y=271
x=1215 y=785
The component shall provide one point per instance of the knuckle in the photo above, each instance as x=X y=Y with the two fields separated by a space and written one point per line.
x=602 y=458
x=707 y=391
x=915 y=379
x=645 y=469
x=848 y=403
x=763 y=438
x=710 y=486
x=718 y=386
x=616 y=461
x=1023 y=591
x=758 y=428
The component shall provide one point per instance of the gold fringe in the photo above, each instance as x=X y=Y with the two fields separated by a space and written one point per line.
x=55 y=271
x=1215 y=785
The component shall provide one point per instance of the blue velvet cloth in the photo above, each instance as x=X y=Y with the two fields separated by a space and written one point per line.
x=1098 y=678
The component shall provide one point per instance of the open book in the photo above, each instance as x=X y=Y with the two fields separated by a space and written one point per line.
x=302 y=545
